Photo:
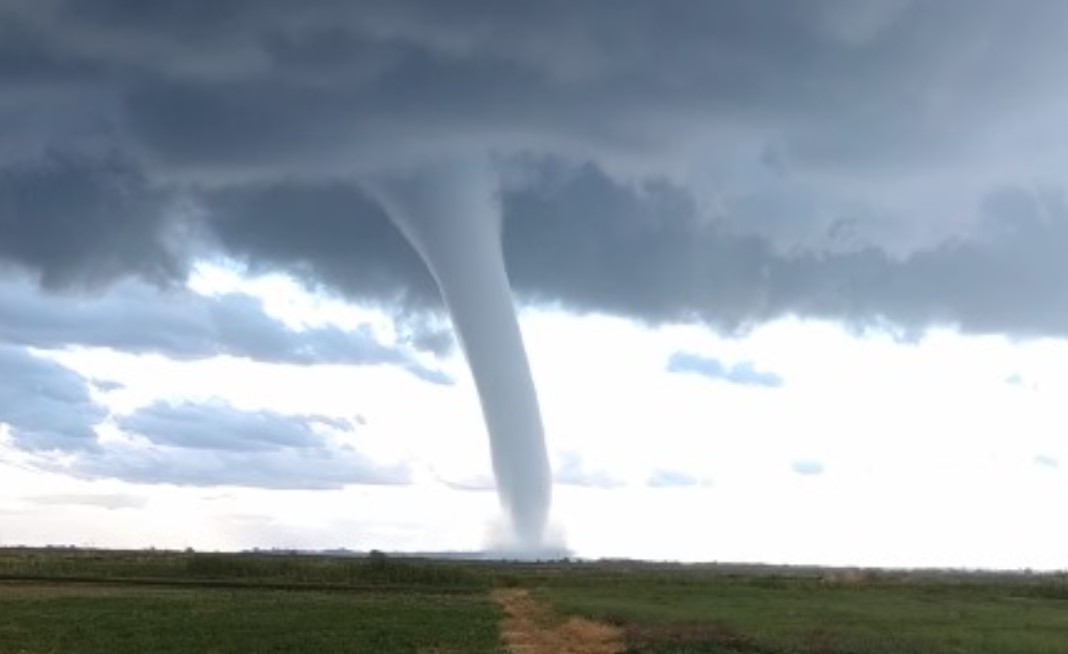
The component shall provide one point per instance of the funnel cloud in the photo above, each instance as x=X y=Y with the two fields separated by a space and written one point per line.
x=451 y=216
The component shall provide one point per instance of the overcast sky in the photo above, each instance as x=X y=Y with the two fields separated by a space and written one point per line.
x=791 y=275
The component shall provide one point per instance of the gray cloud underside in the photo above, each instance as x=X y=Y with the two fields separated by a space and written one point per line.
x=874 y=162
x=136 y=318
x=46 y=406
x=261 y=84
x=574 y=236
x=80 y=223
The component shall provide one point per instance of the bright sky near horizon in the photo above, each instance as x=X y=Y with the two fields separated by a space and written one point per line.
x=790 y=276
x=842 y=448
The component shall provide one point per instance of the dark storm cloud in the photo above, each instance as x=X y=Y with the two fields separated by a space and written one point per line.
x=345 y=242
x=46 y=406
x=78 y=222
x=590 y=243
x=348 y=81
x=325 y=231
x=743 y=160
x=744 y=373
x=135 y=318
x=283 y=80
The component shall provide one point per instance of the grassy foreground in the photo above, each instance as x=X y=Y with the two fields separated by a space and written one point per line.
x=817 y=614
x=82 y=602
x=94 y=619
x=65 y=601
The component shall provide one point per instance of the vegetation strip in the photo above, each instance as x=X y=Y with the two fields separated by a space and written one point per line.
x=236 y=584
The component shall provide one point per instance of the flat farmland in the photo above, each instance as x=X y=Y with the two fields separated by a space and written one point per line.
x=88 y=602
x=121 y=619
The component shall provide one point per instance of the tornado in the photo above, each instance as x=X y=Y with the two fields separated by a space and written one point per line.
x=450 y=213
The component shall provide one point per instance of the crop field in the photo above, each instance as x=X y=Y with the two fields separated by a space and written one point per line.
x=780 y=614
x=70 y=601
x=138 y=620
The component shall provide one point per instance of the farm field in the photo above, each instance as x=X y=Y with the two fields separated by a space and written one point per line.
x=137 y=620
x=781 y=615
x=72 y=601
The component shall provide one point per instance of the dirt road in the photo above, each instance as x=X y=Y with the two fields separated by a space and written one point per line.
x=530 y=627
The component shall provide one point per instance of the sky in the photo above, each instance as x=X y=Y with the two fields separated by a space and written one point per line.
x=790 y=276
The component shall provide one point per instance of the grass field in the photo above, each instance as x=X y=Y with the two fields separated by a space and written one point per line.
x=69 y=601
x=60 y=601
x=94 y=619
x=776 y=615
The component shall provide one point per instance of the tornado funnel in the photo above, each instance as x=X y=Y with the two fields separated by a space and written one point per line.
x=451 y=215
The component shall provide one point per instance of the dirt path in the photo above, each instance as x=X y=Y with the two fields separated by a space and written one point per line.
x=530 y=627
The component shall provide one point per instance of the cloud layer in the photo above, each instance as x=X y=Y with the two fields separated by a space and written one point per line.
x=183 y=325
x=886 y=164
x=883 y=161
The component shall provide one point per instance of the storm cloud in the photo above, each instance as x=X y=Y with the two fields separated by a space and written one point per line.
x=80 y=222
x=883 y=162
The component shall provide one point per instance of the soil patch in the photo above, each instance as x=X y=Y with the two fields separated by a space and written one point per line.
x=531 y=627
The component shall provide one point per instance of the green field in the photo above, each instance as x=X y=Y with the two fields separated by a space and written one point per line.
x=138 y=620
x=777 y=614
x=68 y=601
x=140 y=602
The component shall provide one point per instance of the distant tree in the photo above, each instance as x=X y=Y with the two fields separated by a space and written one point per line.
x=378 y=559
